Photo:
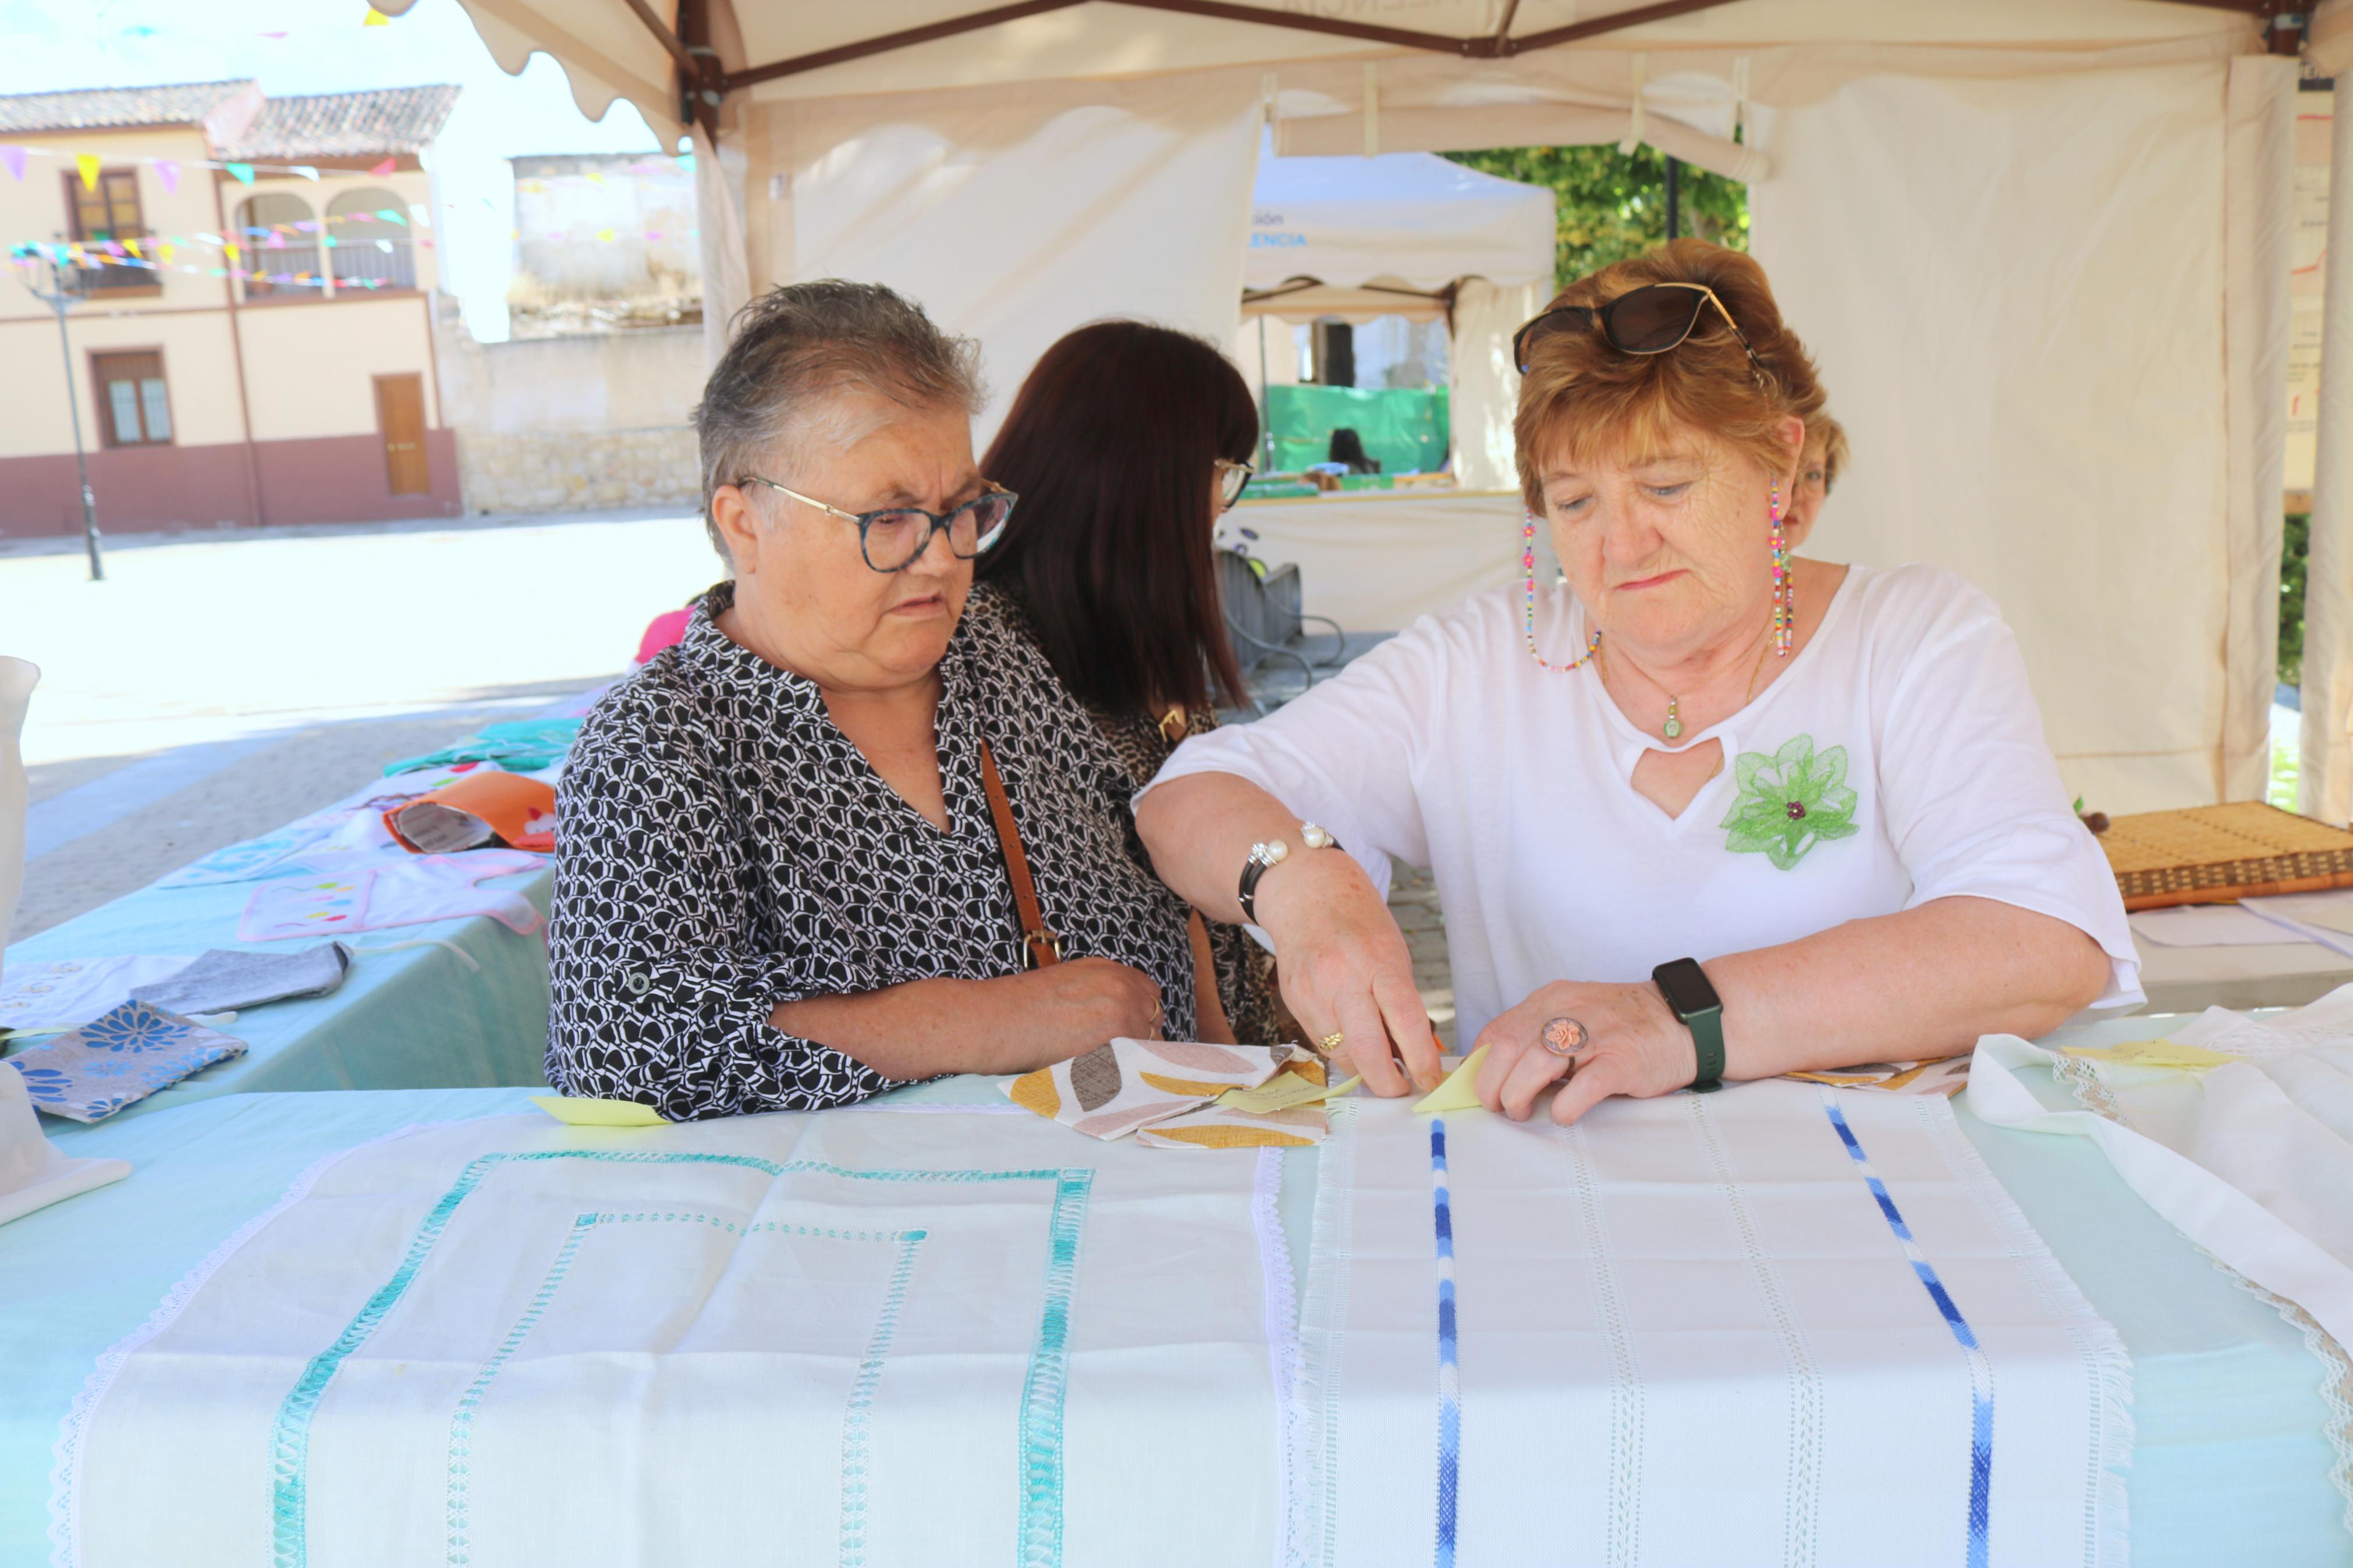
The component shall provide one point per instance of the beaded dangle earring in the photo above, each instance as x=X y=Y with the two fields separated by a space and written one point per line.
x=1785 y=587
x=1528 y=564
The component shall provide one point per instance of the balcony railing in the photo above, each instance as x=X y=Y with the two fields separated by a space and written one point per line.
x=264 y=263
x=385 y=263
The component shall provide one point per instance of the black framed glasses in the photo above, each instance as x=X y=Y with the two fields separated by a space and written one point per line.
x=892 y=538
x=1233 y=478
x=1646 y=320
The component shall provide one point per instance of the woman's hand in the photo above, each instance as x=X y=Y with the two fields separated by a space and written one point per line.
x=1345 y=969
x=1633 y=1046
x=1080 y=1003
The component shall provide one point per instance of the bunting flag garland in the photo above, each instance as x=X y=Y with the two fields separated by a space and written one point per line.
x=168 y=171
x=241 y=172
x=87 y=164
x=14 y=158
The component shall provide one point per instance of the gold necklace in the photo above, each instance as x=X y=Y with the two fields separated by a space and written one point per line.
x=1673 y=726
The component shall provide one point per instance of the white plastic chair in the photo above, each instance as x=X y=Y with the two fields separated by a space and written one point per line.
x=17 y=678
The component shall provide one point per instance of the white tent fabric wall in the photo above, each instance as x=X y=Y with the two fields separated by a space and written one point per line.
x=2016 y=289
x=1486 y=391
x=1014 y=215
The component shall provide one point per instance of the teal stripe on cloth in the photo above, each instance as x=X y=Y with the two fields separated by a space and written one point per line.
x=1040 y=1529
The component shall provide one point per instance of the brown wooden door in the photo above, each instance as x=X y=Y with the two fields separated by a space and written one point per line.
x=400 y=414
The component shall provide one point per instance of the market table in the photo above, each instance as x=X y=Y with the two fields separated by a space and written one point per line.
x=416 y=1015
x=2232 y=1460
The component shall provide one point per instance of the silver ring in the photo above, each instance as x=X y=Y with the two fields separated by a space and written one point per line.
x=1563 y=1037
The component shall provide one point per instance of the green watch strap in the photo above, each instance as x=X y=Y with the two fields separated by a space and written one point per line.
x=1708 y=1041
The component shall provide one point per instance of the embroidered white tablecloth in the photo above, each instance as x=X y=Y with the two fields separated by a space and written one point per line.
x=867 y=1337
x=1775 y=1325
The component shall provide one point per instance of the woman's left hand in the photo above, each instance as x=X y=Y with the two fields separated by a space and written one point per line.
x=1633 y=1046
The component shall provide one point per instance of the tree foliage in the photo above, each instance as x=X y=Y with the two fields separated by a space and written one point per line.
x=1613 y=205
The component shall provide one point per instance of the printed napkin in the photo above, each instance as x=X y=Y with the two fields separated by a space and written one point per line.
x=1124 y=1085
x=119 y=1060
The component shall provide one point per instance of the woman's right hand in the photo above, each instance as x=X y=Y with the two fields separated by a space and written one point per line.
x=1345 y=969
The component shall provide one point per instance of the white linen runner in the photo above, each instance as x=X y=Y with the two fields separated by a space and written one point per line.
x=846 y=1338
x=1775 y=1325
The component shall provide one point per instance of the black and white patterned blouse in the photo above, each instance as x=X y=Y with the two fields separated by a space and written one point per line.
x=723 y=848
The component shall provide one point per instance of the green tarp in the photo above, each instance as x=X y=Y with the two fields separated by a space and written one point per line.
x=1405 y=431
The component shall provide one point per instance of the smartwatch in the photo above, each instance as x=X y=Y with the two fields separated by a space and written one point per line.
x=1695 y=1005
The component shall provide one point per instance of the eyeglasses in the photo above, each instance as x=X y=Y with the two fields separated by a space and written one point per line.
x=1233 y=478
x=892 y=538
x=1646 y=320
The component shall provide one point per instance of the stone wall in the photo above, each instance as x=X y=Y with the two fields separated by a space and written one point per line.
x=594 y=421
x=570 y=471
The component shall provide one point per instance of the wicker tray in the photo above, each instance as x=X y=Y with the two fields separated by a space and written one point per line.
x=2214 y=854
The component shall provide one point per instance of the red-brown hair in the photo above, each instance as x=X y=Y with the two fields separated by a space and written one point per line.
x=1582 y=398
x=1112 y=444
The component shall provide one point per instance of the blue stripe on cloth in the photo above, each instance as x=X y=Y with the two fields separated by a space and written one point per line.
x=1980 y=1368
x=1040 y=1529
x=1450 y=1386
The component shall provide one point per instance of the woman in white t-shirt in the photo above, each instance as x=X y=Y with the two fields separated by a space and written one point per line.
x=1707 y=811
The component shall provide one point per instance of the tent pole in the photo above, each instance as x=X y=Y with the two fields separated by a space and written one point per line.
x=1265 y=402
x=2324 y=776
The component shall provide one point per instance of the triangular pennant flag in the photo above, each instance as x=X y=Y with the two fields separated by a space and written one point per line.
x=391 y=215
x=132 y=246
x=87 y=164
x=381 y=170
x=168 y=171
x=606 y=235
x=14 y=158
x=306 y=172
x=376 y=18
x=229 y=250
x=241 y=172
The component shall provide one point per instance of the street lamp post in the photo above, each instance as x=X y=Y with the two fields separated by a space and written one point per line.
x=64 y=289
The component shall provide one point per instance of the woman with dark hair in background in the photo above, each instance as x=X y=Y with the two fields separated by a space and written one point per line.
x=1125 y=444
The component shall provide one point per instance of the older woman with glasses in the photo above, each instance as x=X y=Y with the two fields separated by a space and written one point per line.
x=850 y=830
x=1705 y=812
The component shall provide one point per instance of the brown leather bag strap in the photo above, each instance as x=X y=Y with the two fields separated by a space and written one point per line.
x=1039 y=947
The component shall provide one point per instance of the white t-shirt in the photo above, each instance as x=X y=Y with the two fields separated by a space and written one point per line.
x=1900 y=758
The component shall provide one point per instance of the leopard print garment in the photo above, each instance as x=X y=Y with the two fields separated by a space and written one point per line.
x=724 y=848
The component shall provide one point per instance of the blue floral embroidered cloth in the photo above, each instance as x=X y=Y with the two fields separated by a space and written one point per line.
x=119 y=1059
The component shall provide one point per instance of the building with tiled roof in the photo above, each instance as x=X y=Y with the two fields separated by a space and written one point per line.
x=250 y=333
x=121 y=107
x=330 y=125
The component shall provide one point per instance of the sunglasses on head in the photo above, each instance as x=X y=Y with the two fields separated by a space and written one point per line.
x=1646 y=320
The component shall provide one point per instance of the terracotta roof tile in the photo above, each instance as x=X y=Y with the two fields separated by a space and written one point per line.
x=345 y=124
x=100 y=108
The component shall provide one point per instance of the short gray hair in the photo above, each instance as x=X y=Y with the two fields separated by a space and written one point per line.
x=796 y=346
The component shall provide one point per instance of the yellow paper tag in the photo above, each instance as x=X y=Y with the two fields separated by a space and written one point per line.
x=1281 y=1092
x=2153 y=1054
x=1458 y=1092
x=599 y=1112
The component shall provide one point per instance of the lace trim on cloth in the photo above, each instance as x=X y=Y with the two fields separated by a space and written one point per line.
x=2336 y=1370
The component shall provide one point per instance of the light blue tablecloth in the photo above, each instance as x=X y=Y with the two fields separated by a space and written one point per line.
x=418 y=1018
x=2231 y=1464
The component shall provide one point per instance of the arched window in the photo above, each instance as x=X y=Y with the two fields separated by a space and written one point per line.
x=368 y=234
x=280 y=242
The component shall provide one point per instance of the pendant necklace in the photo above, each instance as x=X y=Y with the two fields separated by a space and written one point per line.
x=1673 y=727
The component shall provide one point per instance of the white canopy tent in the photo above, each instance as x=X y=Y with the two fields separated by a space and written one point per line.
x=1410 y=234
x=2038 y=244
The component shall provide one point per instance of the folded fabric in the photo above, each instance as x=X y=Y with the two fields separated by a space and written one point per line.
x=229 y=980
x=336 y=838
x=1216 y=1126
x=35 y=997
x=34 y=1172
x=1121 y=1086
x=488 y=807
x=118 y=1060
x=1947 y=1076
x=404 y=889
x=520 y=745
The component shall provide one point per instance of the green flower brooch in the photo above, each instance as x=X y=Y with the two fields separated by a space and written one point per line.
x=1790 y=802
